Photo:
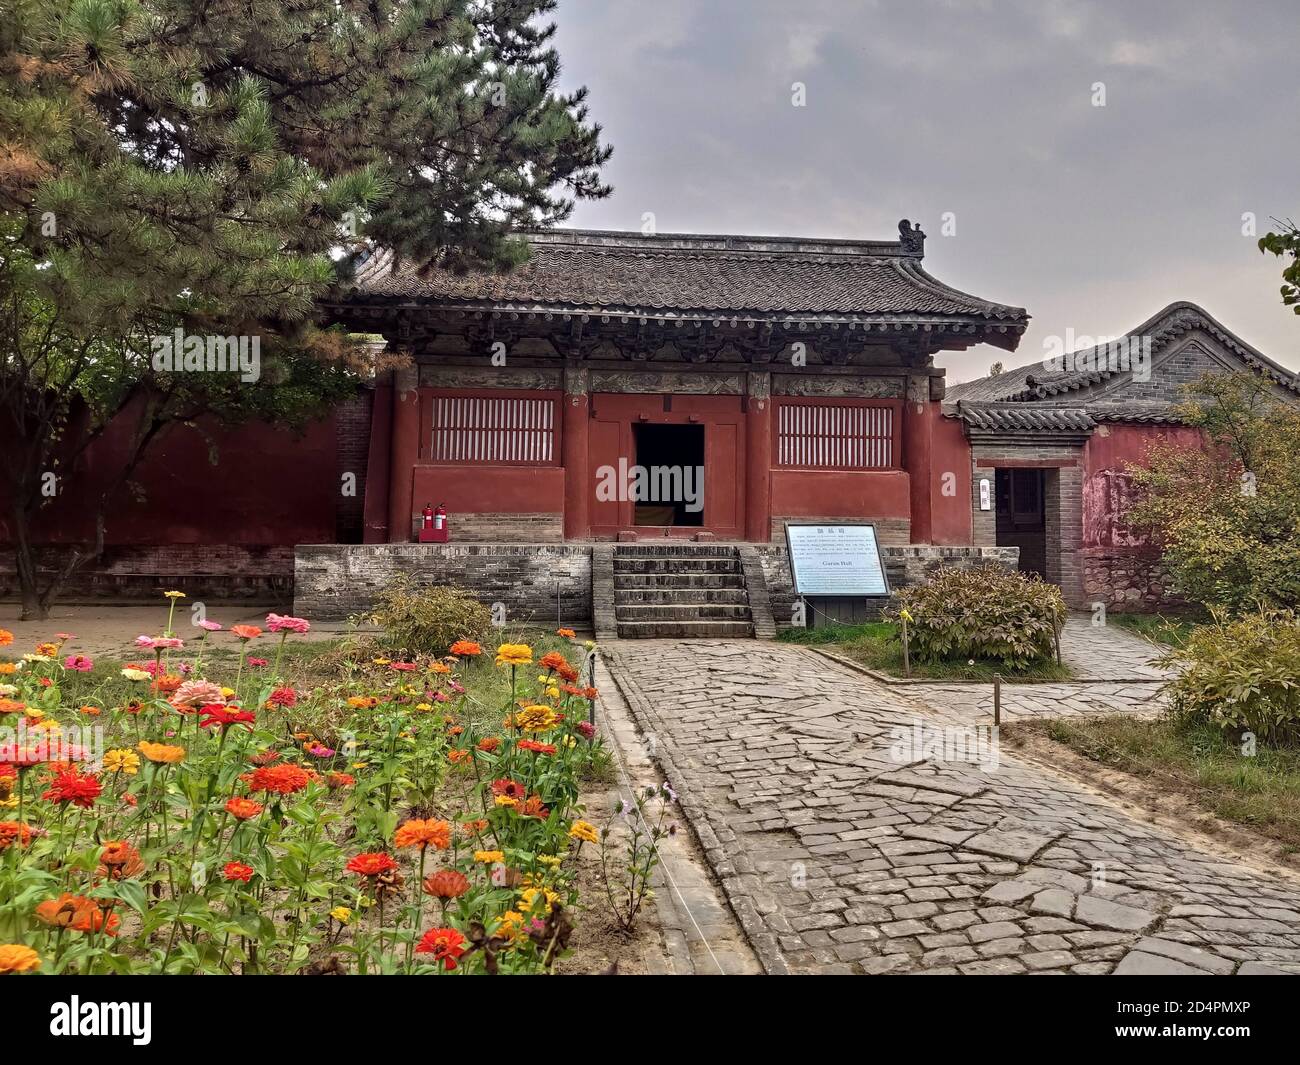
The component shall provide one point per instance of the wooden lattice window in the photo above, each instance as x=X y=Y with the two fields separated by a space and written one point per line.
x=499 y=429
x=837 y=434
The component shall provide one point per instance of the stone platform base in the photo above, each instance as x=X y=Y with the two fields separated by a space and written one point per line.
x=551 y=584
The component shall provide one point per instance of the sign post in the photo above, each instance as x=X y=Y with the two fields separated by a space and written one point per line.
x=840 y=565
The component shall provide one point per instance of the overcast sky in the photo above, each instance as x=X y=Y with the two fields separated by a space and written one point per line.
x=1092 y=218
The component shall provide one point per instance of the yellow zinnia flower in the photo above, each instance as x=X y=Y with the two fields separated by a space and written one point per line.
x=174 y=595
x=16 y=958
x=584 y=831
x=514 y=654
x=341 y=914
x=165 y=753
x=122 y=761
x=489 y=857
x=134 y=674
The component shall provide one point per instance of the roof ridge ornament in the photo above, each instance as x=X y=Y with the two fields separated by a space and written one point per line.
x=912 y=238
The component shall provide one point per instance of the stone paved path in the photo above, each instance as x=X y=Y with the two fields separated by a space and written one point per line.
x=1108 y=652
x=837 y=856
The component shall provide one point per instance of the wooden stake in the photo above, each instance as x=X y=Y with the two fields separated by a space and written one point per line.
x=997 y=699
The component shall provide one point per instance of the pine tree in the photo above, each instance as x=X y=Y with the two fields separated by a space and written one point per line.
x=211 y=166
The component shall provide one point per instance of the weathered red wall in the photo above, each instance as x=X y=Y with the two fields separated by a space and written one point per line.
x=267 y=486
x=1107 y=489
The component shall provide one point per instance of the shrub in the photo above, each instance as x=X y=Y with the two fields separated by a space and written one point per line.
x=986 y=613
x=428 y=619
x=1241 y=675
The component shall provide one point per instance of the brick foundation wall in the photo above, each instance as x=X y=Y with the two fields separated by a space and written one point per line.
x=202 y=571
x=334 y=581
x=507 y=528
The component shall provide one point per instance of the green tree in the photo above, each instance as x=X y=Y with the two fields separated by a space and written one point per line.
x=214 y=167
x=1284 y=242
x=1228 y=516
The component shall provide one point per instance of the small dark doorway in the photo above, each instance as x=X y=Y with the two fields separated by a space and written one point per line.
x=1022 y=517
x=670 y=476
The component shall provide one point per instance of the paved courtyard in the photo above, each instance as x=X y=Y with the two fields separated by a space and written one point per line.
x=852 y=834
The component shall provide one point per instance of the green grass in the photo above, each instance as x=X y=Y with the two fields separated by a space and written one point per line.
x=875 y=644
x=1171 y=630
x=1262 y=792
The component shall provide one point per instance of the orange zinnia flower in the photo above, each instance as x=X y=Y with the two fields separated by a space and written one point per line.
x=489 y=744
x=161 y=752
x=16 y=958
x=371 y=863
x=11 y=831
x=281 y=779
x=77 y=913
x=467 y=648
x=553 y=660
x=246 y=632
x=243 y=809
x=416 y=833
x=440 y=667
x=6 y=637
x=446 y=884
x=568 y=634
x=119 y=860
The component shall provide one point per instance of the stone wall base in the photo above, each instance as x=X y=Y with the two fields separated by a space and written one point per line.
x=1127 y=582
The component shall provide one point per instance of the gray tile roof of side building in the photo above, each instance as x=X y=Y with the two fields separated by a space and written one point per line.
x=698 y=275
x=1036 y=382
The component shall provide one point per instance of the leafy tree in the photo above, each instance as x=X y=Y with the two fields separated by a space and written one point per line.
x=213 y=166
x=1282 y=243
x=1228 y=516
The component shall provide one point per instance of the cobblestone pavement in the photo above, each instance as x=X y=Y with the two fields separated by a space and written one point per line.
x=973 y=703
x=1107 y=652
x=839 y=852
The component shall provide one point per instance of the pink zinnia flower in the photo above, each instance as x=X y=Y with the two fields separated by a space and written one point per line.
x=198 y=693
x=79 y=663
x=320 y=750
x=209 y=626
x=281 y=623
x=256 y=663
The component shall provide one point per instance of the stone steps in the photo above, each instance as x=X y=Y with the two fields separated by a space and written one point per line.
x=676 y=581
x=676 y=630
x=680 y=591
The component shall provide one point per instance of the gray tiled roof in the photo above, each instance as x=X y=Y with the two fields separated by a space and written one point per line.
x=768 y=277
x=1036 y=382
x=1024 y=418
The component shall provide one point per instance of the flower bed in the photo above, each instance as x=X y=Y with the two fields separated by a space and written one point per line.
x=194 y=811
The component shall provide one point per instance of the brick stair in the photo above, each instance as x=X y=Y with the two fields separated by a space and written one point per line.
x=680 y=590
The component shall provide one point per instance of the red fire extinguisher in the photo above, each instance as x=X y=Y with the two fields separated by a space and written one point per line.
x=440 y=518
x=427 y=523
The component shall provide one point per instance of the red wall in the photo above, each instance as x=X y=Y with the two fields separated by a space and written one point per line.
x=841 y=493
x=490 y=489
x=268 y=486
x=1107 y=487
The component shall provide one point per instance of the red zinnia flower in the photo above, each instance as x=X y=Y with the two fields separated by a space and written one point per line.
x=533 y=745
x=511 y=789
x=69 y=785
x=445 y=944
x=225 y=716
x=586 y=728
x=371 y=863
x=340 y=780
x=238 y=871
x=284 y=696
x=281 y=779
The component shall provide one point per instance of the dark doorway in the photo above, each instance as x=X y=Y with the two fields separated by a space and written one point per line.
x=1022 y=517
x=669 y=481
